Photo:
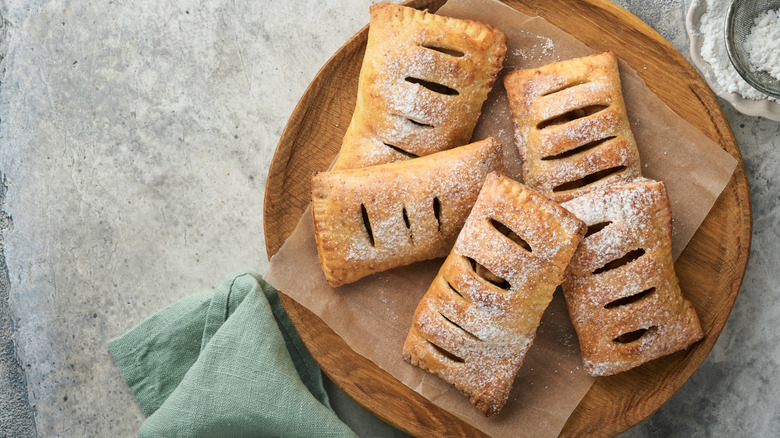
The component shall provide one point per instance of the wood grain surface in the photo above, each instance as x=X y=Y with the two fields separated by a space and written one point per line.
x=710 y=270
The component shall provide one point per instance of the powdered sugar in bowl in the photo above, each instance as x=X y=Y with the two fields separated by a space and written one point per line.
x=753 y=43
x=705 y=23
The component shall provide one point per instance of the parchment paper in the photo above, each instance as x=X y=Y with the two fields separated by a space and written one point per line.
x=374 y=314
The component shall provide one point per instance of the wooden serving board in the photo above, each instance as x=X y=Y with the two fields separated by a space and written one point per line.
x=710 y=270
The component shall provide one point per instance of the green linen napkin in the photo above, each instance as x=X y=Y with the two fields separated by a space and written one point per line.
x=226 y=363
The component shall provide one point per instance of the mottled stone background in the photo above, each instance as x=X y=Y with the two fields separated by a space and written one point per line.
x=135 y=139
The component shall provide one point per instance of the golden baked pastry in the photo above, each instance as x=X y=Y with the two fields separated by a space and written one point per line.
x=571 y=126
x=377 y=218
x=422 y=84
x=621 y=289
x=479 y=317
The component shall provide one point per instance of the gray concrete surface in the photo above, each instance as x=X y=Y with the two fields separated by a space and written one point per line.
x=16 y=413
x=135 y=137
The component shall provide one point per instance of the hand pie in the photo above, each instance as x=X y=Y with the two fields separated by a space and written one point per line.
x=422 y=84
x=475 y=323
x=621 y=289
x=377 y=218
x=571 y=126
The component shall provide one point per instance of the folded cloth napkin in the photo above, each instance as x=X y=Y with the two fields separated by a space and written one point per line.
x=226 y=363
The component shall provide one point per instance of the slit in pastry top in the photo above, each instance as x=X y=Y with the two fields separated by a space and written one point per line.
x=372 y=219
x=571 y=126
x=444 y=50
x=422 y=84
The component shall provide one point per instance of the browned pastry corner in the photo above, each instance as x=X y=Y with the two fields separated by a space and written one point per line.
x=376 y=218
x=571 y=126
x=422 y=84
x=476 y=322
x=621 y=289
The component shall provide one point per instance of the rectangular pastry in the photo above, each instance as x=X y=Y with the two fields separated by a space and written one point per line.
x=477 y=320
x=376 y=218
x=571 y=126
x=422 y=84
x=621 y=289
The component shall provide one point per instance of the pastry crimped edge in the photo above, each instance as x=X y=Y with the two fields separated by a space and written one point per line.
x=488 y=327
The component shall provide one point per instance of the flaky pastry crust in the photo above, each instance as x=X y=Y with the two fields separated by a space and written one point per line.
x=476 y=322
x=376 y=218
x=571 y=127
x=621 y=289
x=422 y=84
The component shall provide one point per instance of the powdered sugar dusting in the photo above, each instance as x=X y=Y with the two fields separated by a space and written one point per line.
x=542 y=48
